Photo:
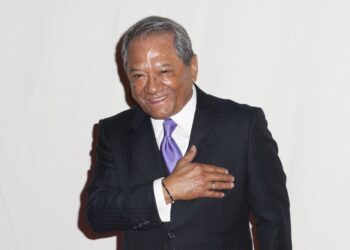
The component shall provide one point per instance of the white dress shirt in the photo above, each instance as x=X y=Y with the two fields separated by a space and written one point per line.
x=181 y=135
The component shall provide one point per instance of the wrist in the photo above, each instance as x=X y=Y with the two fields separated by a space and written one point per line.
x=169 y=198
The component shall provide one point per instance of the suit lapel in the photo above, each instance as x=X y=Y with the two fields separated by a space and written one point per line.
x=204 y=121
x=143 y=147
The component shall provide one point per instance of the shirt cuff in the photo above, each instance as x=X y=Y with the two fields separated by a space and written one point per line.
x=164 y=210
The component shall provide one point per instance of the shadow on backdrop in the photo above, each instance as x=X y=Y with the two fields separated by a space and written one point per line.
x=82 y=222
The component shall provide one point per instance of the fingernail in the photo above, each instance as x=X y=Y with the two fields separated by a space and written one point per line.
x=226 y=171
x=222 y=194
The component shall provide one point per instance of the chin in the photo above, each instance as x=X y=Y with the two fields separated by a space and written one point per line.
x=159 y=113
x=159 y=116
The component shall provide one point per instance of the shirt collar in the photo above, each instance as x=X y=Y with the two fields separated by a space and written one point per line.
x=183 y=119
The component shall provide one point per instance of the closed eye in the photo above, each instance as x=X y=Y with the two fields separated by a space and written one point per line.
x=166 y=71
x=135 y=76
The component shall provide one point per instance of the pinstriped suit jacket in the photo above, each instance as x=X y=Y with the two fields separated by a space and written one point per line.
x=227 y=134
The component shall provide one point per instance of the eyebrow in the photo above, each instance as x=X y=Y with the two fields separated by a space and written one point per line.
x=134 y=69
x=165 y=65
x=162 y=65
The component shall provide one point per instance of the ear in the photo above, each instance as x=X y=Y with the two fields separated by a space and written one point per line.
x=194 y=67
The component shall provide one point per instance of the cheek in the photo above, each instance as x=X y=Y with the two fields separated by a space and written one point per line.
x=136 y=91
x=166 y=80
x=183 y=95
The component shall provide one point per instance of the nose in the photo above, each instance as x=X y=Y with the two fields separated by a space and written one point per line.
x=154 y=84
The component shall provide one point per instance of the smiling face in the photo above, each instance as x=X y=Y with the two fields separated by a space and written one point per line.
x=160 y=82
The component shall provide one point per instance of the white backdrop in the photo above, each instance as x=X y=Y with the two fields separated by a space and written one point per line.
x=58 y=78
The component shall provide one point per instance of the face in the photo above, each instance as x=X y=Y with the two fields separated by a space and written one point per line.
x=160 y=82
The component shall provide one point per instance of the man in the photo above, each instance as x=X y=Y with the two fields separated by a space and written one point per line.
x=184 y=169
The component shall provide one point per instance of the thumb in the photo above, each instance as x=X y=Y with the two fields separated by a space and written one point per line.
x=190 y=154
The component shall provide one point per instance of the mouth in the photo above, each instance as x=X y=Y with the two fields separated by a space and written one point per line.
x=157 y=100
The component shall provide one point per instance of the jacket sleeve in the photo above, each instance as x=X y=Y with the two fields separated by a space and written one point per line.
x=267 y=192
x=111 y=205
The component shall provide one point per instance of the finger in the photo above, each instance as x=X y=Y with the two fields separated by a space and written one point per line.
x=220 y=177
x=220 y=186
x=213 y=194
x=214 y=169
x=190 y=154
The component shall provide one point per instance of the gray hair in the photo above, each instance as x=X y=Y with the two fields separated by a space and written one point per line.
x=155 y=24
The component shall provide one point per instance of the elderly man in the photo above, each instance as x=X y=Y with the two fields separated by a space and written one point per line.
x=184 y=169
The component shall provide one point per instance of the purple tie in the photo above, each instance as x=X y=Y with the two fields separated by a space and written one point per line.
x=169 y=149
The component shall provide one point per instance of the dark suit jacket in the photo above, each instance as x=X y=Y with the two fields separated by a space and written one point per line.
x=226 y=134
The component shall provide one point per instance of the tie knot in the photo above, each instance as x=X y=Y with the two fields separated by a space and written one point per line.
x=169 y=126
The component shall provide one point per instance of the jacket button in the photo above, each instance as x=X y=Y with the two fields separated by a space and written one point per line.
x=171 y=235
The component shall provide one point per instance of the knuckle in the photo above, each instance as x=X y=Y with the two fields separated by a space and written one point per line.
x=206 y=177
x=198 y=168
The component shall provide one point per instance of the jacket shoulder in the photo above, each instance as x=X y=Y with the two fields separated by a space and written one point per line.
x=231 y=109
x=120 y=121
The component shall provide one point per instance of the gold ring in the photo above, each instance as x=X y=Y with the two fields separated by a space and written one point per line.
x=213 y=186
